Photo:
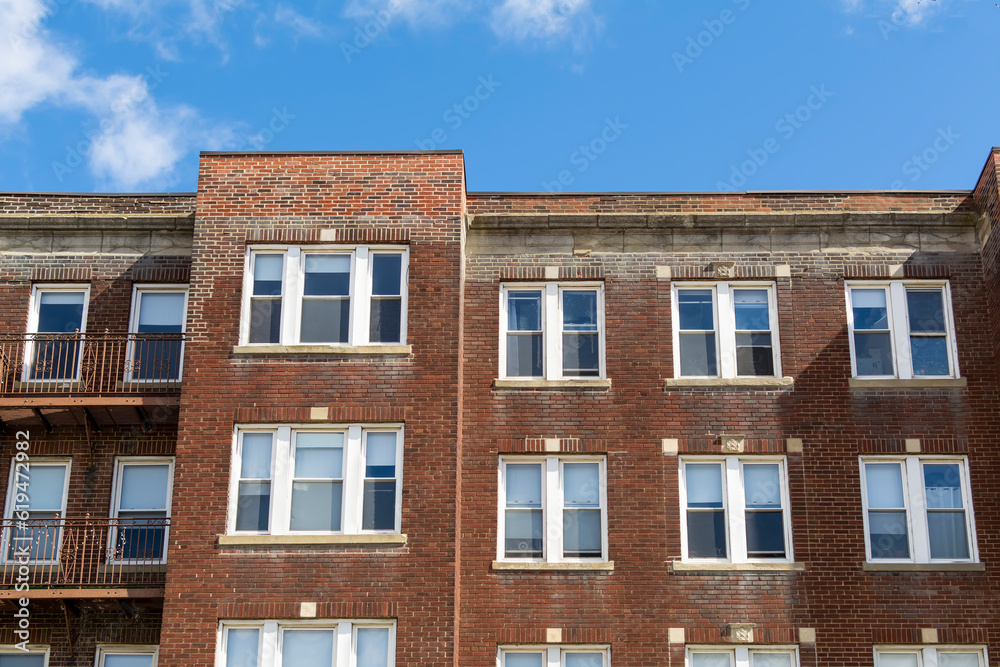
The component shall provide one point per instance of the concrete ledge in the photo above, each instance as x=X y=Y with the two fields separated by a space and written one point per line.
x=332 y=350
x=924 y=567
x=915 y=383
x=280 y=540
x=683 y=566
x=529 y=566
x=582 y=383
x=767 y=383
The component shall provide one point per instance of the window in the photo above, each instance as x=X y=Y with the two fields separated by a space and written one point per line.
x=333 y=295
x=939 y=656
x=725 y=330
x=918 y=510
x=901 y=329
x=56 y=320
x=343 y=479
x=36 y=495
x=126 y=656
x=552 y=331
x=736 y=510
x=554 y=656
x=743 y=656
x=158 y=320
x=11 y=656
x=553 y=509
x=307 y=644
x=141 y=510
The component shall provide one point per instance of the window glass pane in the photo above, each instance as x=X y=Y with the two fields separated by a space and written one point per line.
x=754 y=355
x=524 y=311
x=761 y=659
x=380 y=455
x=695 y=310
x=379 y=506
x=523 y=659
x=316 y=506
x=524 y=355
x=144 y=487
x=888 y=535
x=267 y=271
x=325 y=321
x=241 y=647
x=870 y=310
x=160 y=312
x=750 y=306
x=386 y=317
x=885 y=485
x=523 y=533
x=765 y=535
x=926 y=311
x=582 y=534
x=581 y=355
x=386 y=274
x=703 y=484
x=706 y=534
x=253 y=506
x=930 y=355
x=579 y=310
x=11 y=660
x=710 y=659
x=524 y=484
x=128 y=660
x=265 y=321
x=946 y=532
x=327 y=275
x=897 y=660
x=373 y=647
x=581 y=484
x=762 y=485
x=698 y=355
x=958 y=659
x=319 y=455
x=574 y=659
x=45 y=487
x=873 y=354
x=307 y=648
x=943 y=485
x=60 y=312
x=255 y=461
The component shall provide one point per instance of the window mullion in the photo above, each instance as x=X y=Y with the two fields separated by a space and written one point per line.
x=725 y=338
x=742 y=655
x=735 y=508
x=269 y=644
x=353 y=484
x=552 y=508
x=281 y=489
x=553 y=657
x=930 y=657
x=917 y=507
x=900 y=326
x=361 y=290
x=552 y=333
x=345 y=645
x=291 y=300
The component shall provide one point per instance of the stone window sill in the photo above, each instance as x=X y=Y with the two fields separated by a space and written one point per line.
x=925 y=567
x=752 y=382
x=915 y=383
x=603 y=566
x=283 y=540
x=582 y=383
x=333 y=350
x=685 y=566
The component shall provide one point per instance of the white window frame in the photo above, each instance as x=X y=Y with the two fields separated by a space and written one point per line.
x=283 y=468
x=269 y=648
x=292 y=280
x=116 y=497
x=552 y=507
x=927 y=656
x=915 y=507
x=104 y=650
x=742 y=656
x=899 y=326
x=555 y=656
x=33 y=649
x=12 y=495
x=724 y=314
x=34 y=305
x=133 y=324
x=734 y=507
x=552 y=328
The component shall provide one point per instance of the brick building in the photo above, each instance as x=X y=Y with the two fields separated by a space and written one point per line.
x=333 y=409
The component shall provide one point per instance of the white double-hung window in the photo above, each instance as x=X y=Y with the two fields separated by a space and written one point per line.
x=918 y=510
x=725 y=330
x=318 y=643
x=901 y=329
x=930 y=656
x=552 y=331
x=553 y=509
x=36 y=495
x=735 y=509
x=554 y=656
x=354 y=295
x=743 y=656
x=336 y=479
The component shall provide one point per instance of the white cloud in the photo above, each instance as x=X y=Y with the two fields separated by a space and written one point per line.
x=903 y=12
x=911 y=12
x=130 y=140
x=300 y=25
x=415 y=12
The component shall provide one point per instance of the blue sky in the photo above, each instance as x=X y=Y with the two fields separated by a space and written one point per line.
x=574 y=95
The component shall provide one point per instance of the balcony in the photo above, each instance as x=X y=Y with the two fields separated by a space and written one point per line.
x=83 y=558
